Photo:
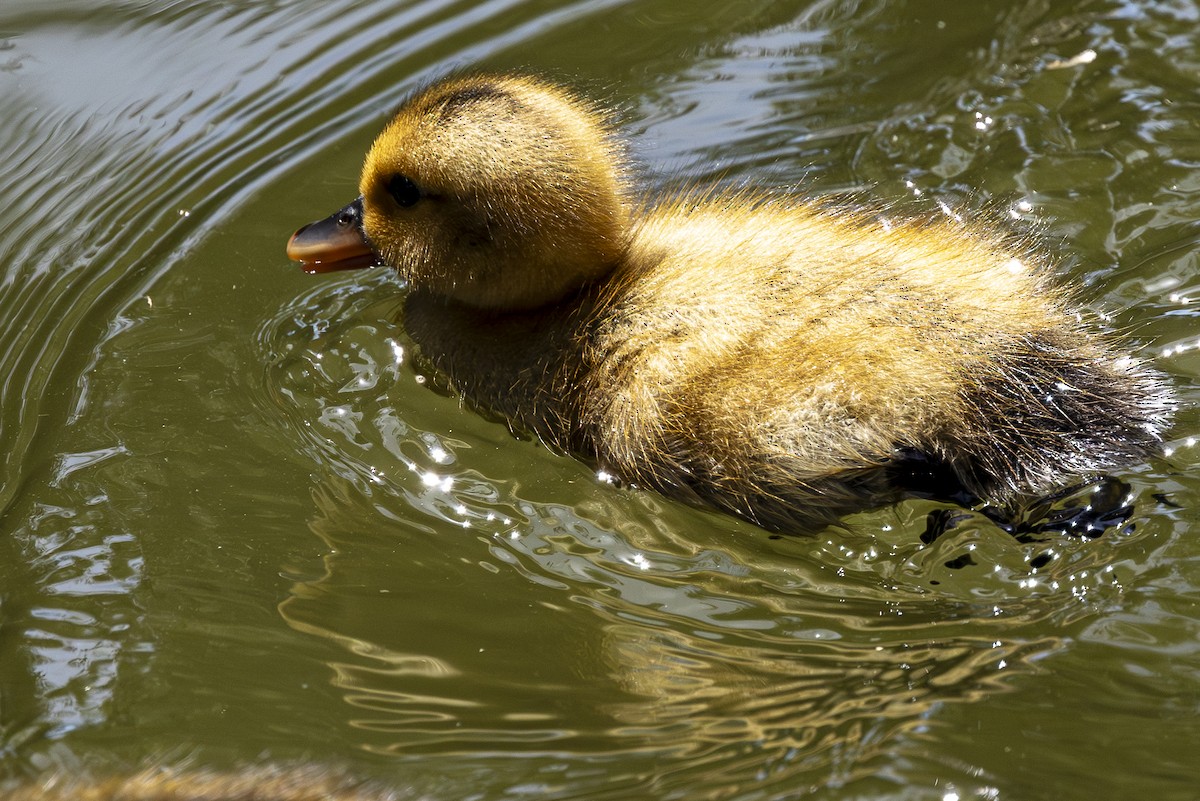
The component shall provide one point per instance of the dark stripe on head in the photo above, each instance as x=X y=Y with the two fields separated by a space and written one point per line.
x=454 y=104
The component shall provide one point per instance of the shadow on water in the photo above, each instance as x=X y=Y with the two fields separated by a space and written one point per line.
x=241 y=520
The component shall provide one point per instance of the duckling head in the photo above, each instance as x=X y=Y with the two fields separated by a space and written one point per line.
x=502 y=193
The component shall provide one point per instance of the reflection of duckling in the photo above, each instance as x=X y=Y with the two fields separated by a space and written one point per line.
x=272 y=783
x=764 y=356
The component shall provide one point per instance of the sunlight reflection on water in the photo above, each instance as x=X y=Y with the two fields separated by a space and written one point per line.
x=243 y=518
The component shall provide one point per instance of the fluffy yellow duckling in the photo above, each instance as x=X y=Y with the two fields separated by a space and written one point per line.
x=771 y=358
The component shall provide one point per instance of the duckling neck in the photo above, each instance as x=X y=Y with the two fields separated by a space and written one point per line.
x=506 y=361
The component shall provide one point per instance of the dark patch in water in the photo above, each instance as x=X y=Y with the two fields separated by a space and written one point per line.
x=939 y=522
x=959 y=562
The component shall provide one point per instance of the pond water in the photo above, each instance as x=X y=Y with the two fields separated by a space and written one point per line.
x=241 y=524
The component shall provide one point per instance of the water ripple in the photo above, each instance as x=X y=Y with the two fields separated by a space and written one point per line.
x=201 y=497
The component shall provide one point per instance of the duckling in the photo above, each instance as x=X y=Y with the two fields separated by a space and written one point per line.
x=780 y=360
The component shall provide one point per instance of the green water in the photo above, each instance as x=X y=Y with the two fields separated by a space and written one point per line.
x=241 y=524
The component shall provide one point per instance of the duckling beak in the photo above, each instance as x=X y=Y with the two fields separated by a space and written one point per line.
x=334 y=243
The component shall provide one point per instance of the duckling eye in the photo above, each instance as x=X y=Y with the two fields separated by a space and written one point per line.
x=403 y=191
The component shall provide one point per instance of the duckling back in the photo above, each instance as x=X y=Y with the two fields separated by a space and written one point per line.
x=771 y=359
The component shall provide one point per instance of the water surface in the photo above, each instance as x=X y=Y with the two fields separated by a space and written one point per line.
x=241 y=522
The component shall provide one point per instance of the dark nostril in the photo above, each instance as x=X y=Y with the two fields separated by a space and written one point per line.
x=351 y=216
